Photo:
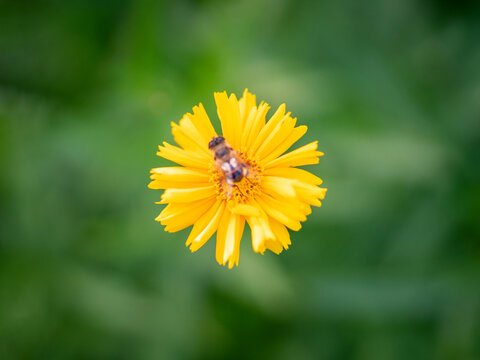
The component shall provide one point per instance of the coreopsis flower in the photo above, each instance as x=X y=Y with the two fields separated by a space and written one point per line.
x=240 y=177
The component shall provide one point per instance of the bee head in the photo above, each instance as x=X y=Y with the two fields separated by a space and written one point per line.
x=215 y=141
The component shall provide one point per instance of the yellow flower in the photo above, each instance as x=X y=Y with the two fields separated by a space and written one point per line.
x=260 y=186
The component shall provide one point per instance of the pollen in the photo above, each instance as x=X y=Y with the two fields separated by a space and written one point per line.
x=245 y=190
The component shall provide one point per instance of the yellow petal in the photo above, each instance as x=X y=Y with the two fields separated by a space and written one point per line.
x=184 y=157
x=311 y=194
x=179 y=172
x=202 y=122
x=283 y=146
x=271 y=124
x=253 y=129
x=281 y=233
x=232 y=240
x=315 y=191
x=274 y=245
x=305 y=209
x=172 y=209
x=278 y=185
x=187 y=195
x=274 y=209
x=187 y=136
x=206 y=226
x=295 y=174
x=291 y=207
x=238 y=239
x=221 y=236
x=277 y=136
x=229 y=115
x=184 y=217
x=201 y=137
x=284 y=193
x=178 y=177
x=163 y=184
x=237 y=122
x=304 y=155
x=221 y=101
x=258 y=237
x=243 y=209
x=246 y=103
x=261 y=232
x=247 y=127
x=229 y=234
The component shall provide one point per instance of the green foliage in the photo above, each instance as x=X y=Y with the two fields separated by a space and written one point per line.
x=386 y=269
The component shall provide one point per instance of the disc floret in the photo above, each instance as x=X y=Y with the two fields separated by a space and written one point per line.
x=245 y=190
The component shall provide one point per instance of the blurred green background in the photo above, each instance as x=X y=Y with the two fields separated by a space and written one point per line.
x=388 y=268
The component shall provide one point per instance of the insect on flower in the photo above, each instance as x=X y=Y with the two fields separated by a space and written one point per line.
x=242 y=176
x=229 y=162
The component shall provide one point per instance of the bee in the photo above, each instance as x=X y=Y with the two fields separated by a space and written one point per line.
x=228 y=161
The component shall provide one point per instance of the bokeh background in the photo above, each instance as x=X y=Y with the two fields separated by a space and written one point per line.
x=387 y=268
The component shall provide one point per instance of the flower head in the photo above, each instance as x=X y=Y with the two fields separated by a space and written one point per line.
x=240 y=177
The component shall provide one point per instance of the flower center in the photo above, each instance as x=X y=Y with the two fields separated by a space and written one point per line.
x=247 y=188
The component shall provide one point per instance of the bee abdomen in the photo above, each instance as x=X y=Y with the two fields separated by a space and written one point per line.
x=237 y=175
